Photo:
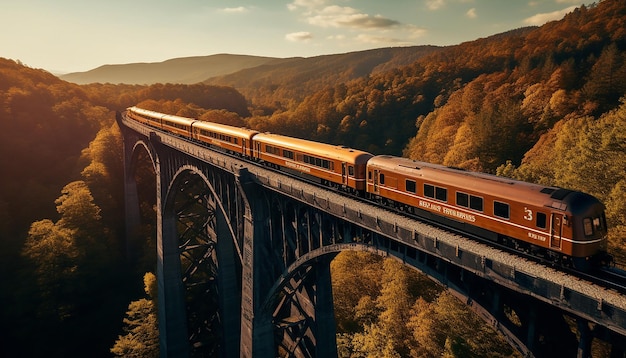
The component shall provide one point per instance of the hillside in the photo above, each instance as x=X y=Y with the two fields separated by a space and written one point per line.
x=293 y=79
x=255 y=77
x=543 y=104
x=185 y=70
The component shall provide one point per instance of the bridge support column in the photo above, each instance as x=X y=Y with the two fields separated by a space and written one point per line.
x=324 y=312
x=531 y=337
x=230 y=293
x=132 y=211
x=174 y=340
x=257 y=334
x=584 y=342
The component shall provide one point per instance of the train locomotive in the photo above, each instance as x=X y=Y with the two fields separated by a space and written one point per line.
x=555 y=224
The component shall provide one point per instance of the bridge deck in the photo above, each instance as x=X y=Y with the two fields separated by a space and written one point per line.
x=580 y=297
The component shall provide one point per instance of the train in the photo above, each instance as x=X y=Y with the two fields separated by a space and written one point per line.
x=558 y=225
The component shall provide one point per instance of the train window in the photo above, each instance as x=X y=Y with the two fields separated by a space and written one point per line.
x=287 y=154
x=410 y=186
x=429 y=191
x=351 y=171
x=501 y=209
x=541 y=220
x=270 y=149
x=236 y=140
x=588 y=226
x=381 y=179
x=369 y=175
x=441 y=193
x=597 y=225
x=476 y=203
x=462 y=199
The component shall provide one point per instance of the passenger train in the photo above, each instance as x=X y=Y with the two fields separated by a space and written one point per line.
x=563 y=226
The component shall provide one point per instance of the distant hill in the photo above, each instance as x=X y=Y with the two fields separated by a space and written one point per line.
x=254 y=73
x=296 y=78
x=185 y=70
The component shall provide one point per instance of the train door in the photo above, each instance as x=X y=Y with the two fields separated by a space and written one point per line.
x=375 y=181
x=344 y=173
x=244 y=141
x=556 y=230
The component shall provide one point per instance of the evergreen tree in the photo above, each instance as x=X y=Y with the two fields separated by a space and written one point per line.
x=142 y=333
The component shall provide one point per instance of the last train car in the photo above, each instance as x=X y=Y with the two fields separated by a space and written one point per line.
x=145 y=116
x=556 y=223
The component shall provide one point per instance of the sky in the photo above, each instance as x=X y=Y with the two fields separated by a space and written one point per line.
x=64 y=36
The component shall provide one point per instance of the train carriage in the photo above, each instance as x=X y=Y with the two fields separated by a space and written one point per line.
x=331 y=164
x=145 y=116
x=177 y=125
x=232 y=139
x=543 y=220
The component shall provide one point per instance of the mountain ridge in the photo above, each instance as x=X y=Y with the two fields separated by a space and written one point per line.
x=183 y=70
x=223 y=68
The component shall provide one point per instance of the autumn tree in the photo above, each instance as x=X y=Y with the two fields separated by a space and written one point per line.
x=52 y=250
x=350 y=286
x=140 y=325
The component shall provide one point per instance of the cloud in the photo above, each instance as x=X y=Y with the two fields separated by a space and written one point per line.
x=238 y=9
x=471 y=13
x=577 y=2
x=337 y=16
x=307 y=4
x=301 y=36
x=435 y=4
x=336 y=37
x=540 y=19
x=415 y=31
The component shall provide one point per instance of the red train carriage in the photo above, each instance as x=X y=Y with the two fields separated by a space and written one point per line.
x=232 y=139
x=331 y=164
x=547 y=221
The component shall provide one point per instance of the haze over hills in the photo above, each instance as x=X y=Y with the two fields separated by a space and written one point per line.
x=184 y=70
x=231 y=70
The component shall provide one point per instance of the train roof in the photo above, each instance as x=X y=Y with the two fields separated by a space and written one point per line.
x=146 y=112
x=334 y=152
x=169 y=117
x=226 y=129
x=178 y=119
x=506 y=188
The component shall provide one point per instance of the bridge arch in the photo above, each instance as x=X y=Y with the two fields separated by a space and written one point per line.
x=198 y=252
x=139 y=147
x=298 y=272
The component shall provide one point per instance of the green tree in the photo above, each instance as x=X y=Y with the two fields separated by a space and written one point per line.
x=52 y=251
x=142 y=333
x=77 y=209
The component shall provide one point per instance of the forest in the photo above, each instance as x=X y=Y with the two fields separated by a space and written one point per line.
x=543 y=104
